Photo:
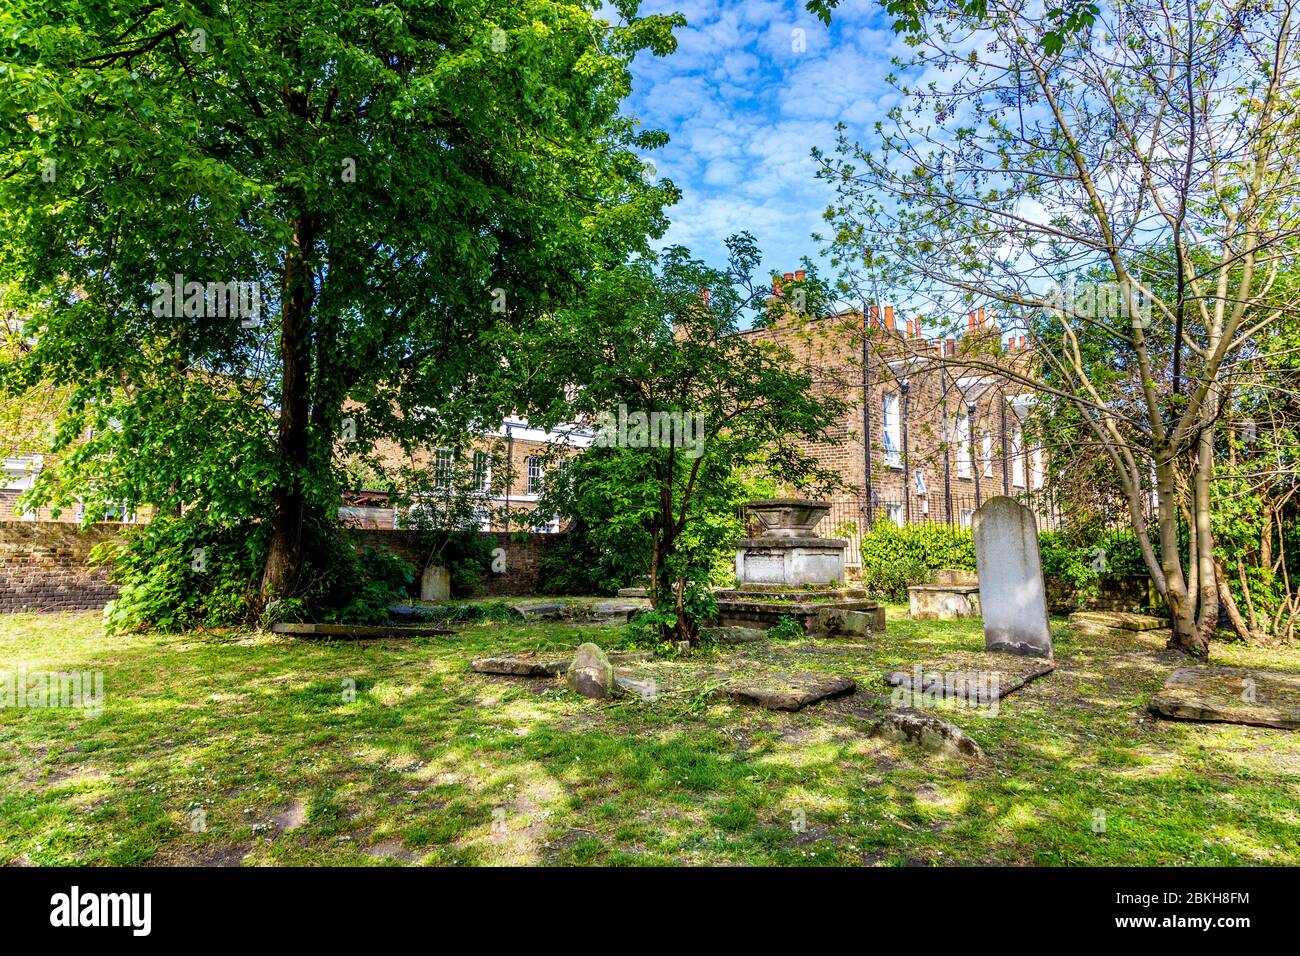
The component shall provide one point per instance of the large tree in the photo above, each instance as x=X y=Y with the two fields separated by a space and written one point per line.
x=390 y=180
x=1128 y=198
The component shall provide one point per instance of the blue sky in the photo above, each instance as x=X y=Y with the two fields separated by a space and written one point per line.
x=744 y=107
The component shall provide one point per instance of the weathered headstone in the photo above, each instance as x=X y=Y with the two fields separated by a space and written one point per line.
x=435 y=584
x=1012 y=595
x=591 y=674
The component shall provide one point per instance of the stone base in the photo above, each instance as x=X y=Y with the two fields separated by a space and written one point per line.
x=815 y=617
x=1230 y=695
x=943 y=602
x=791 y=562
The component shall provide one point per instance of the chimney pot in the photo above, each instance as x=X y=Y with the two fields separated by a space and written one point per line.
x=789 y=277
x=889 y=317
x=980 y=321
x=950 y=347
x=799 y=274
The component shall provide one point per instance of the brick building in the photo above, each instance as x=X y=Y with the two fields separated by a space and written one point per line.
x=922 y=440
x=497 y=474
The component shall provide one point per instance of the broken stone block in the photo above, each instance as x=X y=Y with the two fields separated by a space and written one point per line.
x=1230 y=695
x=633 y=687
x=926 y=731
x=734 y=635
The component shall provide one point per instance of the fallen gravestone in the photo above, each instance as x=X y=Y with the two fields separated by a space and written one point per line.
x=591 y=674
x=976 y=685
x=1013 y=598
x=535 y=664
x=355 y=632
x=788 y=691
x=1230 y=695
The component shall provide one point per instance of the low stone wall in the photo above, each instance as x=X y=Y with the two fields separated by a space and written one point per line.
x=1132 y=593
x=43 y=566
x=43 y=563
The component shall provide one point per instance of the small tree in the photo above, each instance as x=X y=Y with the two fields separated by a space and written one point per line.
x=1150 y=154
x=686 y=410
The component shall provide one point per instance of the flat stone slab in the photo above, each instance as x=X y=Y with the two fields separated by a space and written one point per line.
x=353 y=632
x=1116 y=620
x=1230 y=695
x=788 y=691
x=942 y=678
x=524 y=665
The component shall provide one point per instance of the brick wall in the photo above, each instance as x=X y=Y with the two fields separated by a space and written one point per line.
x=43 y=566
x=43 y=563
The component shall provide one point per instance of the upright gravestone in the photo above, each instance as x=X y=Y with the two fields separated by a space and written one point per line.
x=435 y=584
x=1012 y=596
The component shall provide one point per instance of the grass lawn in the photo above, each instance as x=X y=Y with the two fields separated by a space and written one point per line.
x=431 y=763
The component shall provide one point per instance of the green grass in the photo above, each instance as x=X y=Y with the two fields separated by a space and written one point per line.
x=428 y=762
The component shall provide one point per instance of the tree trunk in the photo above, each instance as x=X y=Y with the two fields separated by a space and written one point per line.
x=1230 y=603
x=284 y=556
x=1186 y=637
x=1208 y=617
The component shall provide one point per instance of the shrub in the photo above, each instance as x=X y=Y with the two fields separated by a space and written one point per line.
x=785 y=629
x=894 y=558
x=178 y=573
x=188 y=571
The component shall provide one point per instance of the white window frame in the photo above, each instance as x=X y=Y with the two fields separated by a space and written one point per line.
x=535 y=473
x=1017 y=459
x=964 y=449
x=483 y=476
x=894 y=513
x=988 y=454
x=444 y=467
x=891 y=429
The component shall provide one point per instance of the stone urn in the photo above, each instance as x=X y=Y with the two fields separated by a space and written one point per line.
x=788 y=517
